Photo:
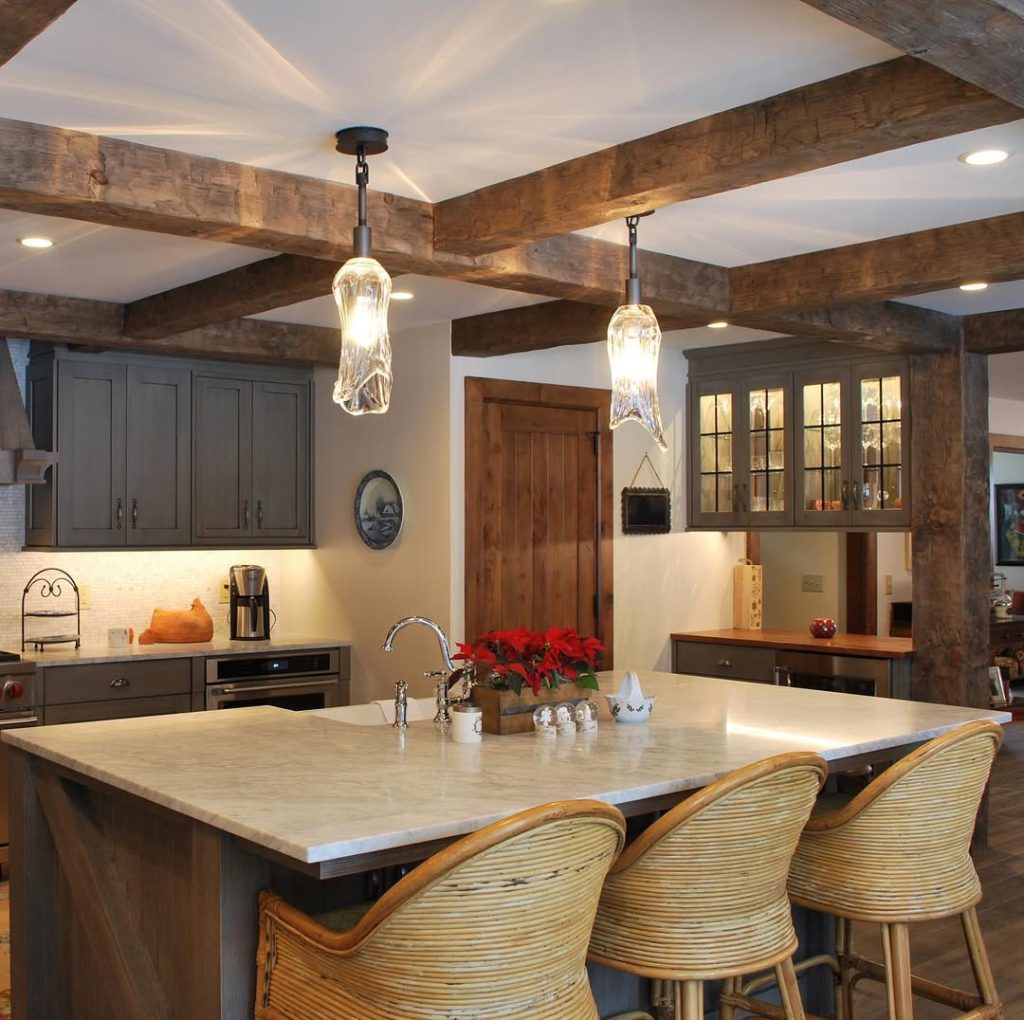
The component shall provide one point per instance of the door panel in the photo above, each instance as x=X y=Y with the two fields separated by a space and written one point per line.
x=222 y=430
x=91 y=440
x=159 y=465
x=280 y=461
x=538 y=491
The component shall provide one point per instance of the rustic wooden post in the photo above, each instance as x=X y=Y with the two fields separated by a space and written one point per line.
x=950 y=527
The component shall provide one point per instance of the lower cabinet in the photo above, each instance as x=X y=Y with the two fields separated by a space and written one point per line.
x=116 y=690
x=731 y=662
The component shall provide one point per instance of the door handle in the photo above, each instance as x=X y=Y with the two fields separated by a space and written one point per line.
x=846 y=495
x=856 y=496
x=245 y=515
x=119 y=513
x=744 y=504
x=259 y=513
x=135 y=513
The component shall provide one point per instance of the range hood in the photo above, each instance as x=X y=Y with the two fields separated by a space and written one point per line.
x=20 y=462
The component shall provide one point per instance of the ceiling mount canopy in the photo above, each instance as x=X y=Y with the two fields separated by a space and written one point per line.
x=362 y=291
x=634 y=342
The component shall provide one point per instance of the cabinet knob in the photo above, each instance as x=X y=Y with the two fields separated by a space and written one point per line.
x=725 y=663
x=120 y=682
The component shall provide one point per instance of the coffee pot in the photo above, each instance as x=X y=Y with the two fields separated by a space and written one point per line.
x=250 y=603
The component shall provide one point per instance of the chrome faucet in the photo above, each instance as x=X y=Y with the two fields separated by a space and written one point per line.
x=445 y=681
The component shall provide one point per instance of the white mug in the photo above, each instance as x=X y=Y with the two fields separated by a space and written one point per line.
x=119 y=637
x=467 y=724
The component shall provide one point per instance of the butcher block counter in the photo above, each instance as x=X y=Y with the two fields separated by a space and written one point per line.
x=850 y=663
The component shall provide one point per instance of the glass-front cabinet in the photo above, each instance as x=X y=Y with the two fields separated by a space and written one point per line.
x=822 y=442
x=741 y=451
x=852 y=445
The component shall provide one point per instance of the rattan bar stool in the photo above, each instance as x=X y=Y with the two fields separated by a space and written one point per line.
x=898 y=853
x=701 y=893
x=495 y=925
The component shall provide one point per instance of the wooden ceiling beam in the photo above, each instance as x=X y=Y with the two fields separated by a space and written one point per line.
x=901 y=266
x=980 y=41
x=22 y=20
x=867 y=111
x=98 y=324
x=538 y=327
x=994 y=332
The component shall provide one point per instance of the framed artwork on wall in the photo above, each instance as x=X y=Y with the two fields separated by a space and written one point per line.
x=1009 y=524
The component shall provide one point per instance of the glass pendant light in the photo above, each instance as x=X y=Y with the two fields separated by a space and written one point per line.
x=362 y=290
x=634 y=342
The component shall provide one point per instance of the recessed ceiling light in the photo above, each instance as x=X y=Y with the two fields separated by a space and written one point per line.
x=36 y=242
x=402 y=295
x=718 y=324
x=978 y=285
x=984 y=157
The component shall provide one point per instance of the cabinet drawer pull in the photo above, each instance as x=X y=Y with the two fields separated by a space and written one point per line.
x=245 y=515
x=135 y=513
x=725 y=663
x=259 y=513
x=119 y=513
x=120 y=682
x=846 y=495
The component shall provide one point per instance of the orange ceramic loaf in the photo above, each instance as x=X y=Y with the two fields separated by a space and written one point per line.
x=179 y=626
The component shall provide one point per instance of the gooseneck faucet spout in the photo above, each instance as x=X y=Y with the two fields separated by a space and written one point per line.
x=446 y=652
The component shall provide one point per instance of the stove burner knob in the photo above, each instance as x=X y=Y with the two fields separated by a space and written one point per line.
x=12 y=689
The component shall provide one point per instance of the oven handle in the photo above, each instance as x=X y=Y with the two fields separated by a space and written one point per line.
x=267 y=685
x=11 y=722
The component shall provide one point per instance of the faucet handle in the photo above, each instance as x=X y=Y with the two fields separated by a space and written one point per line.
x=436 y=674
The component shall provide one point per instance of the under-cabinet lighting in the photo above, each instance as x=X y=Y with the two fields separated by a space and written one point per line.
x=402 y=295
x=718 y=324
x=976 y=285
x=984 y=157
x=39 y=243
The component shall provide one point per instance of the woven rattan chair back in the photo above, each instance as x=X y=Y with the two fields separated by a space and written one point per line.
x=497 y=925
x=702 y=892
x=899 y=851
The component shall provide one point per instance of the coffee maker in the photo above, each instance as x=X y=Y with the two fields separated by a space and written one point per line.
x=250 y=603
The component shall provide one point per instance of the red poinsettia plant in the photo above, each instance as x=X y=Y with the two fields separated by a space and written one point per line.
x=509 y=660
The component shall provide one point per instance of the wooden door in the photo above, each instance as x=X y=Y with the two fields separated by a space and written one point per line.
x=280 y=461
x=159 y=465
x=222 y=445
x=538 y=508
x=91 y=508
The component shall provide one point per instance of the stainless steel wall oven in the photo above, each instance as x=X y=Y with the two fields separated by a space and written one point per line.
x=294 y=680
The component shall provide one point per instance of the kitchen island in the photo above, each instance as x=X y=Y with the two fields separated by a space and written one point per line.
x=138 y=846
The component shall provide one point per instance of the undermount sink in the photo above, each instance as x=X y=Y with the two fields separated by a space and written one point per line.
x=377 y=713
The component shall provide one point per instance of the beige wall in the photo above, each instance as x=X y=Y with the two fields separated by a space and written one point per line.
x=344 y=588
x=786 y=557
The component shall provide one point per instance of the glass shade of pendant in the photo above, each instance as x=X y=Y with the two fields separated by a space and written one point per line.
x=362 y=292
x=634 y=342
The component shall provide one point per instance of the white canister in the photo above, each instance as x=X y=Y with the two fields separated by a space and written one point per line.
x=467 y=724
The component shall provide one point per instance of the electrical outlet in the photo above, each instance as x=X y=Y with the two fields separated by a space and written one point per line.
x=887 y=584
x=224 y=593
x=812 y=582
x=85 y=596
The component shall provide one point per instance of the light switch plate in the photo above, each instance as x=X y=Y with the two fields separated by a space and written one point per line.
x=224 y=593
x=812 y=582
x=85 y=596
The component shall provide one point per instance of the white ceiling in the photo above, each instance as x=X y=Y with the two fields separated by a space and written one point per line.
x=473 y=91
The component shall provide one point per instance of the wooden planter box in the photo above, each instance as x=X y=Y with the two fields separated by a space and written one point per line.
x=507 y=712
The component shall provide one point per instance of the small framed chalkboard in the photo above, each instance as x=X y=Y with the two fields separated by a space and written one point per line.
x=646 y=511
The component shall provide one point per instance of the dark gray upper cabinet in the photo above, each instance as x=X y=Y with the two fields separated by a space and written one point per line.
x=789 y=433
x=161 y=452
x=252 y=463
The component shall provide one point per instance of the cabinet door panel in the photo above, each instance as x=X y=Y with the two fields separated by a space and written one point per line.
x=716 y=452
x=765 y=475
x=280 y=461
x=91 y=440
x=222 y=441
x=822 y=445
x=159 y=456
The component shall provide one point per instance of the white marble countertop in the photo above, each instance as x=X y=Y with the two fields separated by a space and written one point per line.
x=315 y=789
x=67 y=655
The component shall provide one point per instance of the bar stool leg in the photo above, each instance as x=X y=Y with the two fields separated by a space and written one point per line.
x=979 y=959
x=789 y=990
x=847 y=973
x=725 y=1010
x=689 y=1000
x=896 y=945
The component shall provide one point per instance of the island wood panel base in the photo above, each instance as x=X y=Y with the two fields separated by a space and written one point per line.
x=134 y=911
